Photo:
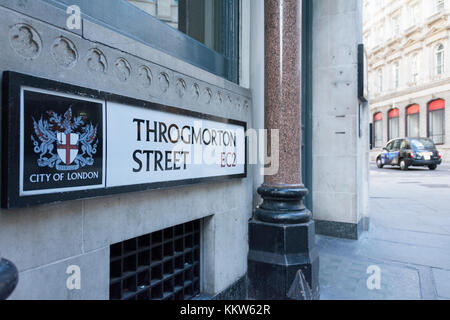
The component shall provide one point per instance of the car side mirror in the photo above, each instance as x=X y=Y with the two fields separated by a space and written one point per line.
x=385 y=149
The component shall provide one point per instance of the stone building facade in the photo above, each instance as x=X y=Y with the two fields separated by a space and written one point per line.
x=195 y=235
x=408 y=52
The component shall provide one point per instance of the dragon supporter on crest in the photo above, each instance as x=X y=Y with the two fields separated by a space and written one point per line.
x=65 y=135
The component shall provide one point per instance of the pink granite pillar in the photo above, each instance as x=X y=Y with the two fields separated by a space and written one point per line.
x=283 y=39
x=283 y=192
x=283 y=261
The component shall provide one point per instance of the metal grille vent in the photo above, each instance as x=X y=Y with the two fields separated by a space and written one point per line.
x=164 y=265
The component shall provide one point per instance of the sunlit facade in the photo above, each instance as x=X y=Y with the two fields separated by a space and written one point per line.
x=408 y=51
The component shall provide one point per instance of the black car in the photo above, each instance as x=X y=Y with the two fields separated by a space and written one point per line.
x=416 y=152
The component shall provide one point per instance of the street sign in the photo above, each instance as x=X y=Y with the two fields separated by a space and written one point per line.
x=62 y=142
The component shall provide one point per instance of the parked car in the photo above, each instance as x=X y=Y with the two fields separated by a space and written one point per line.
x=415 y=152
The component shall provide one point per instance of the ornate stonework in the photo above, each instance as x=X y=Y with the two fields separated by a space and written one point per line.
x=164 y=82
x=96 y=60
x=145 y=76
x=25 y=41
x=64 y=53
x=122 y=69
x=181 y=87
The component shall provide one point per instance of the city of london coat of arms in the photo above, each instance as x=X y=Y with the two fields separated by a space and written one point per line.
x=64 y=142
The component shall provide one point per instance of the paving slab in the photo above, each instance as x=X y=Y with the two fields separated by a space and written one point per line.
x=406 y=253
x=442 y=280
x=343 y=278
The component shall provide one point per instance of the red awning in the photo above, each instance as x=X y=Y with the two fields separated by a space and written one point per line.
x=394 y=113
x=415 y=108
x=378 y=116
x=436 y=105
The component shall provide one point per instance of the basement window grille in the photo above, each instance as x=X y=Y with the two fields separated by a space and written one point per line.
x=164 y=265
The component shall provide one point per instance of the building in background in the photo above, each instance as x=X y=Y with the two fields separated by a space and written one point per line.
x=409 y=52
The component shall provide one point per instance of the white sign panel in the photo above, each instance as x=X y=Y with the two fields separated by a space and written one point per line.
x=149 y=146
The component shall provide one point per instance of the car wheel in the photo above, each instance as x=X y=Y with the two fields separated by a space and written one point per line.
x=403 y=165
x=432 y=167
x=379 y=163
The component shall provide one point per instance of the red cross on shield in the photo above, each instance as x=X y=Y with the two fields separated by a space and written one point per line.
x=67 y=146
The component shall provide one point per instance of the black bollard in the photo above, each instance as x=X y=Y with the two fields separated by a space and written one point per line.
x=9 y=277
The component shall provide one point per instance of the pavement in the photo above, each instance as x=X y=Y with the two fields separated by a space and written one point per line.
x=407 y=244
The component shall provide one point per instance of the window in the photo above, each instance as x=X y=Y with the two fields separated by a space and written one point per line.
x=396 y=75
x=440 y=5
x=422 y=144
x=378 y=4
x=415 y=68
x=395 y=25
x=405 y=145
x=413 y=121
x=397 y=145
x=390 y=146
x=436 y=121
x=164 y=10
x=439 y=59
x=381 y=35
x=415 y=14
x=378 y=130
x=393 y=124
x=209 y=37
x=202 y=20
x=380 y=80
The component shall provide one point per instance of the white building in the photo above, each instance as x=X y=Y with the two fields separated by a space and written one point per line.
x=407 y=42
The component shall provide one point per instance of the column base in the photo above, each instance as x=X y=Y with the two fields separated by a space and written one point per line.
x=351 y=231
x=277 y=252
x=8 y=278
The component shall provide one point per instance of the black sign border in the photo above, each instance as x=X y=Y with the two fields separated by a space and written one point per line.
x=363 y=94
x=10 y=158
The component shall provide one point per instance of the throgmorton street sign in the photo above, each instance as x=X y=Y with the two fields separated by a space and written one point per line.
x=62 y=142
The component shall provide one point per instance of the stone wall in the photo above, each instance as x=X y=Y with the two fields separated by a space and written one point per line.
x=340 y=123
x=44 y=240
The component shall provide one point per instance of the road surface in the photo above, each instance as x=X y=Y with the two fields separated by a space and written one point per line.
x=408 y=240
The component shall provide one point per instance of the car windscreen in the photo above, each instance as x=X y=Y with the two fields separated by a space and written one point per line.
x=422 y=144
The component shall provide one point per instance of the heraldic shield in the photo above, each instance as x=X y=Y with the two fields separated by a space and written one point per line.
x=67 y=146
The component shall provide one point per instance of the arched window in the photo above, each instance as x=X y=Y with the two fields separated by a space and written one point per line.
x=393 y=124
x=440 y=59
x=378 y=129
x=436 y=121
x=412 y=121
